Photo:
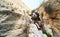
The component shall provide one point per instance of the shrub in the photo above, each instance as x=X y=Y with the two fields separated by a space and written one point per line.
x=48 y=7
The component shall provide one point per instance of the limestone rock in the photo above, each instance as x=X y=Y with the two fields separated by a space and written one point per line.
x=50 y=13
x=34 y=32
x=12 y=18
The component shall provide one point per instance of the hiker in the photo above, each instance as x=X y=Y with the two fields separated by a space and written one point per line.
x=36 y=19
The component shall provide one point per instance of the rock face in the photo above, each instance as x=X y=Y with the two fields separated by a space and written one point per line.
x=33 y=31
x=50 y=14
x=13 y=4
x=9 y=24
x=12 y=18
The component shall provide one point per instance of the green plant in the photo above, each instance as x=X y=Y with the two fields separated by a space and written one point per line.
x=48 y=7
x=44 y=31
x=28 y=12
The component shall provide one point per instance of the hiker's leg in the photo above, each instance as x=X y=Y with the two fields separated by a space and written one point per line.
x=37 y=25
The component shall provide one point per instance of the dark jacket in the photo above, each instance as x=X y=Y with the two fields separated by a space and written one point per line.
x=36 y=17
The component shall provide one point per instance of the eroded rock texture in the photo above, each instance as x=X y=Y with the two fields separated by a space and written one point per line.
x=50 y=14
x=12 y=19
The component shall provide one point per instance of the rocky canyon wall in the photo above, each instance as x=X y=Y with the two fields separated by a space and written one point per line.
x=13 y=18
x=50 y=14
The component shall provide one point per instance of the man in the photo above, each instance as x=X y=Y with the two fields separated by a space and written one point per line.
x=36 y=19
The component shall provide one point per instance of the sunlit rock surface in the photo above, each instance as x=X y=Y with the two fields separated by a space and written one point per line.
x=11 y=24
x=34 y=32
x=50 y=14
x=12 y=18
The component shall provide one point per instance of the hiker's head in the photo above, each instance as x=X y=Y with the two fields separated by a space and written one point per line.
x=35 y=14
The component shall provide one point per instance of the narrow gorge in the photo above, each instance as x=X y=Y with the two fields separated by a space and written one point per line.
x=15 y=19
